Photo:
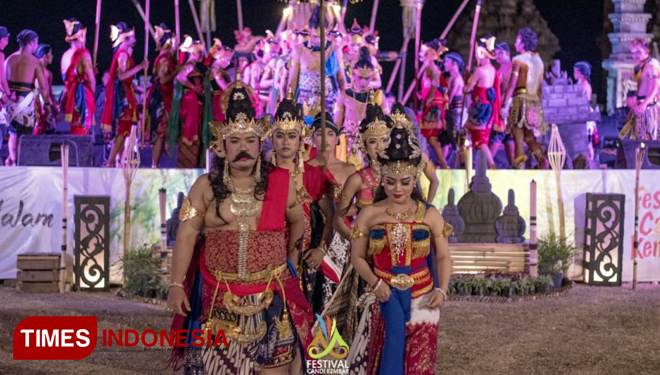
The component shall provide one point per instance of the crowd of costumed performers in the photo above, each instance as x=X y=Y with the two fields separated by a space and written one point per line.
x=496 y=107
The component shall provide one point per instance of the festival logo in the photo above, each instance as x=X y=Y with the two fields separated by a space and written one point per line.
x=328 y=350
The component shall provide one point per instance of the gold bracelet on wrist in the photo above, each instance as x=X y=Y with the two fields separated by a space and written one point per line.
x=178 y=285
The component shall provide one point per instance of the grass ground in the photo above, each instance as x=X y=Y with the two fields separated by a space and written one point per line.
x=590 y=331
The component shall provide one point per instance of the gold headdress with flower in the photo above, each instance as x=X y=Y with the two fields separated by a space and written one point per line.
x=72 y=34
x=118 y=36
x=160 y=33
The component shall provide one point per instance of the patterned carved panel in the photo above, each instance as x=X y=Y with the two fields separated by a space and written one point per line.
x=92 y=242
x=603 y=242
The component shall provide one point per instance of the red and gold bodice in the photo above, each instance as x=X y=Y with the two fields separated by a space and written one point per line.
x=396 y=245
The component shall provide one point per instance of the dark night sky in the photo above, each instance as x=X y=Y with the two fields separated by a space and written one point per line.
x=577 y=23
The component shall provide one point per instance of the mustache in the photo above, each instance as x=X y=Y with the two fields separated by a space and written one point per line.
x=243 y=154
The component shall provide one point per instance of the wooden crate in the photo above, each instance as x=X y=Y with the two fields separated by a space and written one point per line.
x=27 y=287
x=38 y=273
x=475 y=257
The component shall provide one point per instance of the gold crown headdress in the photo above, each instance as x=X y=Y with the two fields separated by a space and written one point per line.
x=218 y=48
x=356 y=32
x=364 y=72
x=486 y=47
x=377 y=128
x=288 y=122
x=159 y=33
x=117 y=36
x=241 y=124
x=191 y=46
x=70 y=26
x=400 y=169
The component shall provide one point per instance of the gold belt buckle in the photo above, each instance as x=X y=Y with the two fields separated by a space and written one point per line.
x=402 y=281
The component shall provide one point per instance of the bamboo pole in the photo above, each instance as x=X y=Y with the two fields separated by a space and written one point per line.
x=239 y=8
x=197 y=24
x=473 y=37
x=147 y=25
x=395 y=71
x=467 y=151
x=414 y=83
x=130 y=164
x=639 y=159
x=322 y=71
x=64 y=151
x=402 y=78
x=557 y=158
x=177 y=23
x=343 y=15
x=418 y=30
x=145 y=19
x=533 y=249
x=453 y=19
x=162 y=200
x=96 y=33
x=374 y=12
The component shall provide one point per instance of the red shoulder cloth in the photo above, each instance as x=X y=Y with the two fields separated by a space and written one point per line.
x=274 y=206
x=316 y=182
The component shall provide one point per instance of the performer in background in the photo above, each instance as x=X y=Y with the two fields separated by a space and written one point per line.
x=266 y=52
x=5 y=93
x=184 y=126
x=161 y=90
x=432 y=118
x=484 y=84
x=4 y=87
x=526 y=120
x=373 y=138
x=351 y=108
x=646 y=113
x=499 y=138
x=305 y=76
x=582 y=74
x=216 y=82
x=121 y=107
x=314 y=194
x=337 y=173
x=78 y=100
x=229 y=265
x=23 y=70
x=390 y=248
x=454 y=67
x=48 y=114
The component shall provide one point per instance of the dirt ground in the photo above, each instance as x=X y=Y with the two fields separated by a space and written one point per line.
x=590 y=331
